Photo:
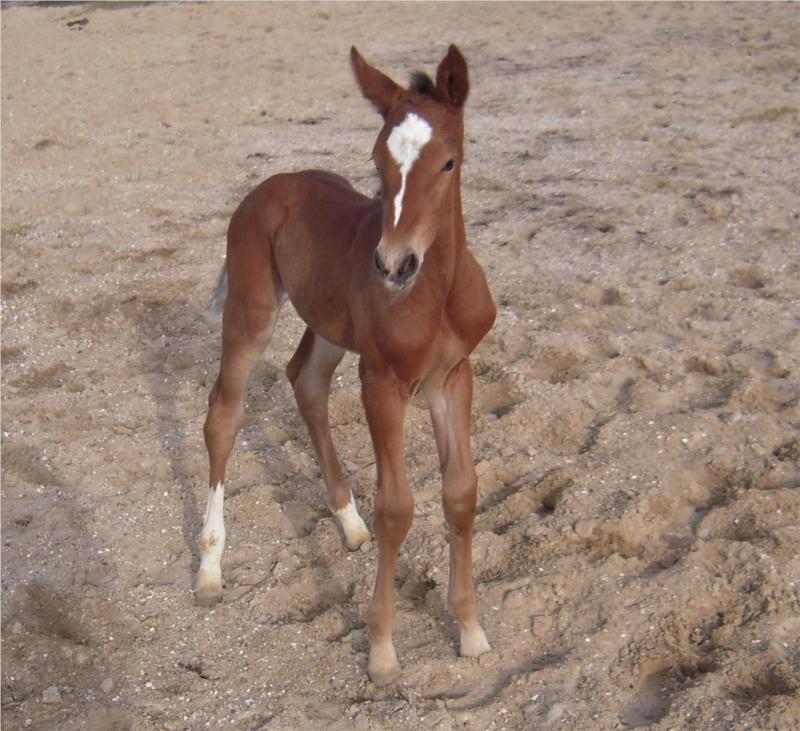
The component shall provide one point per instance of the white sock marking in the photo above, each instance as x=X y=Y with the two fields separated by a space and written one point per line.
x=405 y=143
x=355 y=530
x=212 y=536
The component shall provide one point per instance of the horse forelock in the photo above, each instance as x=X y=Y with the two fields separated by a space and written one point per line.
x=422 y=85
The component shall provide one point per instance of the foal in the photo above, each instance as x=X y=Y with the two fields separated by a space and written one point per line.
x=392 y=280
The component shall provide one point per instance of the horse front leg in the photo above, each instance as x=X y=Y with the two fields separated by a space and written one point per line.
x=385 y=398
x=450 y=399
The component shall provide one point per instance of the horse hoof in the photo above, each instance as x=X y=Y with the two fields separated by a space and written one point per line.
x=383 y=667
x=354 y=529
x=473 y=643
x=382 y=678
x=207 y=597
x=354 y=541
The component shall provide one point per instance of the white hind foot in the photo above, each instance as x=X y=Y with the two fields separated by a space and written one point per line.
x=355 y=530
x=208 y=585
x=473 y=642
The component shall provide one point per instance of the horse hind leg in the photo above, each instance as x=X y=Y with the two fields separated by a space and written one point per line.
x=247 y=327
x=310 y=371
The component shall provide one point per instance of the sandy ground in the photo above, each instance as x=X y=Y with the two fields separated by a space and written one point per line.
x=632 y=191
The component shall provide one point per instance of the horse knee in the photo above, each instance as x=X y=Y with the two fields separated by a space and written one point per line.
x=459 y=501
x=394 y=512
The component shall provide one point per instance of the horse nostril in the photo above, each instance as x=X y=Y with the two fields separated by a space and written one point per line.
x=408 y=267
x=379 y=265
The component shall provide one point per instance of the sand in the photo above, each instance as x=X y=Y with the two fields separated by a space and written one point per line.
x=632 y=191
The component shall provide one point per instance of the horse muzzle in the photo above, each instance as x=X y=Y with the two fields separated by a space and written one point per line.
x=396 y=270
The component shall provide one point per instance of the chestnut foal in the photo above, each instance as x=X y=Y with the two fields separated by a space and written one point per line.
x=392 y=280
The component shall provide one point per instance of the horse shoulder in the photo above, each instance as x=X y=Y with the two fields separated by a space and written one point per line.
x=470 y=310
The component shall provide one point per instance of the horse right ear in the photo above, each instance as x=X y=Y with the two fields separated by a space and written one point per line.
x=452 y=79
x=375 y=85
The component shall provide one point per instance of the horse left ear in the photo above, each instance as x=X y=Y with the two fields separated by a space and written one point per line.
x=375 y=85
x=452 y=80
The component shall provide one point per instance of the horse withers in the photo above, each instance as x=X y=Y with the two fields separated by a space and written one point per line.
x=390 y=279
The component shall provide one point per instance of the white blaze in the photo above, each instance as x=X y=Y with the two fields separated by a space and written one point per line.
x=405 y=143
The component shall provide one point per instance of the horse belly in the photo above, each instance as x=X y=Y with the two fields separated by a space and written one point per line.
x=316 y=285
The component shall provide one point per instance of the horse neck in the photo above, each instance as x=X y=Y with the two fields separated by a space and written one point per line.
x=458 y=216
x=451 y=240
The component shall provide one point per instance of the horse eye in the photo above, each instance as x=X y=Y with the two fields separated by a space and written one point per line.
x=448 y=166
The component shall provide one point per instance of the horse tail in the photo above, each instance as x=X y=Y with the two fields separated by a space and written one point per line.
x=220 y=293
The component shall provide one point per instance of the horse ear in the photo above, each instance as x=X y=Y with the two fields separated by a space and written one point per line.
x=452 y=80
x=375 y=85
